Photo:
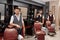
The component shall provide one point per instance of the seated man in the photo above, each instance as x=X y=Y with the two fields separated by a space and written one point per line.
x=40 y=18
x=51 y=18
x=17 y=22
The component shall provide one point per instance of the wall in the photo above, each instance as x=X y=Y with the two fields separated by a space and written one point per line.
x=59 y=12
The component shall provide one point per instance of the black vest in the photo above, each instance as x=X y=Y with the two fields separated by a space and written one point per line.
x=39 y=18
x=16 y=20
x=51 y=18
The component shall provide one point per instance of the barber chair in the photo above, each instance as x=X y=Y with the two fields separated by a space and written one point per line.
x=51 y=30
x=10 y=34
x=39 y=33
x=1 y=36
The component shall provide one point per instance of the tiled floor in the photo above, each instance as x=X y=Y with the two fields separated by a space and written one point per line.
x=47 y=37
x=56 y=37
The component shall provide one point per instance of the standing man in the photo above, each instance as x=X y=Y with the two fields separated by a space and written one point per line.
x=40 y=17
x=17 y=22
x=51 y=17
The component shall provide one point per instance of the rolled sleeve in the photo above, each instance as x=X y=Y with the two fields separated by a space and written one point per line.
x=54 y=17
x=11 y=20
x=22 y=20
x=43 y=17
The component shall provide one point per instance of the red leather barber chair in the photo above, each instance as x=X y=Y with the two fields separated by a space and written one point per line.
x=10 y=34
x=1 y=36
x=39 y=33
x=51 y=30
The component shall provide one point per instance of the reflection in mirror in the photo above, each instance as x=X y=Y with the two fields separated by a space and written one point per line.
x=24 y=12
x=2 y=11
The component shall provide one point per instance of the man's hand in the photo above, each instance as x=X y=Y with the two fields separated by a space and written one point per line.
x=17 y=26
x=10 y=26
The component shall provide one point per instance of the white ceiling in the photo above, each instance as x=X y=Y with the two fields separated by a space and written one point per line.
x=39 y=1
x=47 y=0
x=43 y=0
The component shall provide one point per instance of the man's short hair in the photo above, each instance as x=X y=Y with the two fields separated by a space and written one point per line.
x=18 y=8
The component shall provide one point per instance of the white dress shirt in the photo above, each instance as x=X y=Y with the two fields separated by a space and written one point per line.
x=18 y=17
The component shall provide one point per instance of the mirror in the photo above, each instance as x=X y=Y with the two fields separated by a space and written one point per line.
x=2 y=6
